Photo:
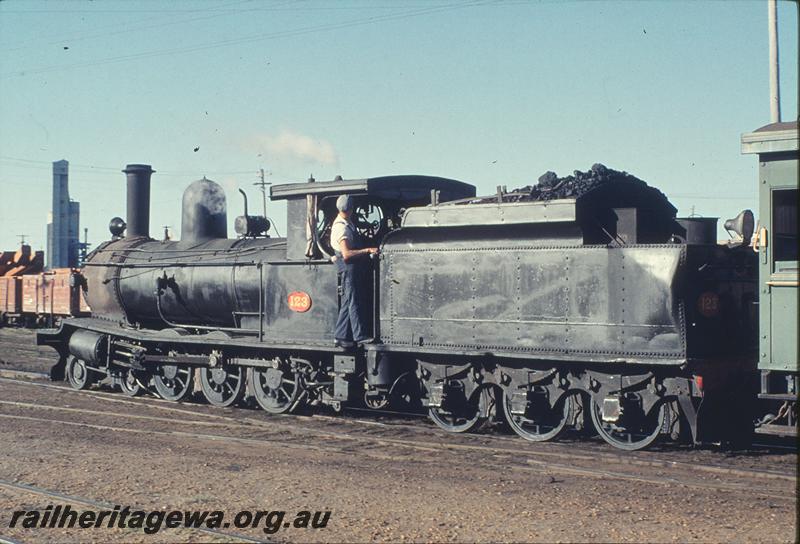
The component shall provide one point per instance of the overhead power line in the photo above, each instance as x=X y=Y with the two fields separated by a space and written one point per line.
x=255 y=37
x=90 y=168
x=132 y=26
x=707 y=197
x=262 y=7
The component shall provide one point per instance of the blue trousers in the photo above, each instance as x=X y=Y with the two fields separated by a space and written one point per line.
x=350 y=325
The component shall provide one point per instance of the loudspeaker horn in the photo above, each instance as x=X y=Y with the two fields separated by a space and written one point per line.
x=743 y=225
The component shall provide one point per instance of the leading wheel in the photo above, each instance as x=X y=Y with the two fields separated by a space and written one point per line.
x=466 y=415
x=540 y=422
x=634 y=430
x=222 y=386
x=173 y=382
x=78 y=373
x=276 y=390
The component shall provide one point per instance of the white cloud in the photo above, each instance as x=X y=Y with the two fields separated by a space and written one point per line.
x=291 y=145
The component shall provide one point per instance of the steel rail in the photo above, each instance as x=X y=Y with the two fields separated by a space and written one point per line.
x=591 y=453
x=161 y=404
x=434 y=447
x=249 y=423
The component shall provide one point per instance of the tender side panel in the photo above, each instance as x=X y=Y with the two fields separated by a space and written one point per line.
x=552 y=301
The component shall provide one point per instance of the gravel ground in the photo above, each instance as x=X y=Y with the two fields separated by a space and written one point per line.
x=381 y=479
x=18 y=350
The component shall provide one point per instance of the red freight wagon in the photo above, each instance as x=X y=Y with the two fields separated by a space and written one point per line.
x=10 y=296
x=55 y=293
x=30 y=297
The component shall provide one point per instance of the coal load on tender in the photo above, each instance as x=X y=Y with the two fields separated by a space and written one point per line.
x=552 y=187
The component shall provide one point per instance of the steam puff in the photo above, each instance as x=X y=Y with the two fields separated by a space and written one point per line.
x=297 y=146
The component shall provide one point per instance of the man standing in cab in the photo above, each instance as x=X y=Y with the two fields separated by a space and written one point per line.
x=351 y=265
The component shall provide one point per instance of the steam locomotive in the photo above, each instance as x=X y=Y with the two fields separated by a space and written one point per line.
x=580 y=302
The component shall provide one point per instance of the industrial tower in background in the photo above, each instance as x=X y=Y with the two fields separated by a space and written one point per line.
x=63 y=245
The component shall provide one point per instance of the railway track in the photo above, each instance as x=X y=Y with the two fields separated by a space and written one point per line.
x=672 y=457
x=342 y=443
x=351 y=435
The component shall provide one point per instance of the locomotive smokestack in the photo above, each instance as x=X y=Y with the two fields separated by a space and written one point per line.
x=138 y=199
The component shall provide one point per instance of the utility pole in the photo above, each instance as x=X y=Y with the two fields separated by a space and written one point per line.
x=774 y=75
x=263 y=186
x=22 y=239
x=166 y=233
x=83 y=248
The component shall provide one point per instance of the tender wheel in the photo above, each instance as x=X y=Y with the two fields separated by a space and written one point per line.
x=634 y=430
x=129 y=384
x=173 y=382
x=221 y=386
x=464 y=415
x=78 y=373
x=275 y=390
x=540 y=422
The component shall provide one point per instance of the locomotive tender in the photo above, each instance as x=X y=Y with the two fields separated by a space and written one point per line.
x=578 y=300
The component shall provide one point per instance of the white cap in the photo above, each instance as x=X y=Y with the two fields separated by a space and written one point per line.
x=344 y=203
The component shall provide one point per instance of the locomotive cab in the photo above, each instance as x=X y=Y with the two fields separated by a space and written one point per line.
x=308 y=273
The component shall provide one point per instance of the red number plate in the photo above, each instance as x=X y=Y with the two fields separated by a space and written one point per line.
x=299 y=301
x=708 y=304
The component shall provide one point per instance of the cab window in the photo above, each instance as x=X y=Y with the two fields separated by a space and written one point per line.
x=784 y=224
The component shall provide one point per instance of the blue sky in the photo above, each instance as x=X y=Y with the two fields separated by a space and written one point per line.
x=486 y=91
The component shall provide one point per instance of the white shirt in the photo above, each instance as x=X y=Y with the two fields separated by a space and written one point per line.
x=342 y=229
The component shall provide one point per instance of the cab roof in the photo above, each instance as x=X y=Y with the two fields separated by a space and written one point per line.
x=407 y=187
